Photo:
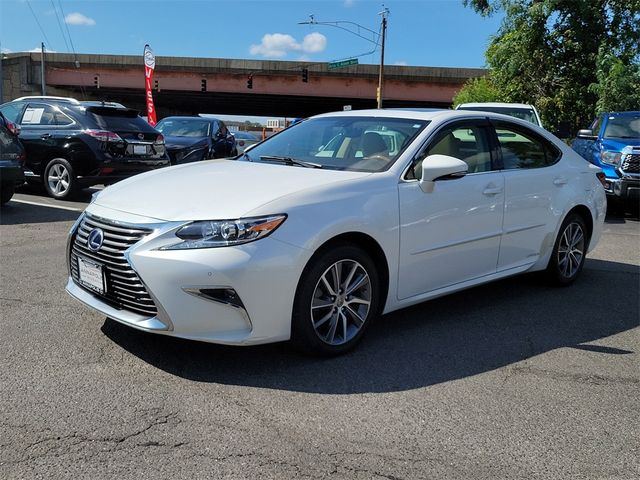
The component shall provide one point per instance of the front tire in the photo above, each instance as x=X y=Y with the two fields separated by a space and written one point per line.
x=6 y=192
x=337 y=299
x=569 y=251
x=60 y=180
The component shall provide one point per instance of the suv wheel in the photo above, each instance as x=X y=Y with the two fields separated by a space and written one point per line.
x=60 y=181
x=6 y=192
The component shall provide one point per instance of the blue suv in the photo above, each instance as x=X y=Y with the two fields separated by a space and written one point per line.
x=613 y=144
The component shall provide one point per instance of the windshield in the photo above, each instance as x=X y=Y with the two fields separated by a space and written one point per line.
x=627 y=126
x=522 y=113
x=367 y=144
x=183 y=128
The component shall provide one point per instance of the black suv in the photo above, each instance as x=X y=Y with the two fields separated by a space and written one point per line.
x=11 y=160
x=72 y=144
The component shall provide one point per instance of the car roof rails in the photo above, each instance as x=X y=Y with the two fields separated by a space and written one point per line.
x=101 y=103
x=47 y=97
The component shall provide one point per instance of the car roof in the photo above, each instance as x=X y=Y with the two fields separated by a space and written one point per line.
x=47 y=98
x=495 y=104
x=620 y=114
x=188 y=117
x=413 y=114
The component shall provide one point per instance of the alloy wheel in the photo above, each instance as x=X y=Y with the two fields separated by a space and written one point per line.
x=571 y=250
x=58 y=179
x=341 y=302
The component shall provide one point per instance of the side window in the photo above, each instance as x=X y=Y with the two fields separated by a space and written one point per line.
x=12 y=111
x=40 y=114
x=468 y=143
x=523 y=149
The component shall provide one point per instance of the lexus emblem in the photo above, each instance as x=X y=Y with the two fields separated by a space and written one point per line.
x=141 y=136
x=95 y=239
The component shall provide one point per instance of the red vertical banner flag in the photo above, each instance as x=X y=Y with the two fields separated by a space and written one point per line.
x=149 y=67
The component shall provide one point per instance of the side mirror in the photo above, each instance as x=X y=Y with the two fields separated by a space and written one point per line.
x=587 y=134
x=440 y=167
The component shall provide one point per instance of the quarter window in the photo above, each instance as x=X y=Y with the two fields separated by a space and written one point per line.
x=522 y=149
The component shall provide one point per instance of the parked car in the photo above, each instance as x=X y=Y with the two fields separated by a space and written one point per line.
x=516 y=110
x=191 y=139
x=613 y=144
x=11 y=159
x=72 y=144
x=244 y=140
x=283 y=243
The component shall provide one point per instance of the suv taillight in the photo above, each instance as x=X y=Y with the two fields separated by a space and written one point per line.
x=13 y=128
x=103 y=135
x=159 y=139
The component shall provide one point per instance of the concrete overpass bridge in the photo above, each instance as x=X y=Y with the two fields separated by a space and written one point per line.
x=278 y=89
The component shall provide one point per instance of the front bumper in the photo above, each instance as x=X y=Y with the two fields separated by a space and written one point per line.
x=623 y=188
x=263 y=274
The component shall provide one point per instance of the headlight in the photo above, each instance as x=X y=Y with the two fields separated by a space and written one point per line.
x=611 y=158
x=223 y=233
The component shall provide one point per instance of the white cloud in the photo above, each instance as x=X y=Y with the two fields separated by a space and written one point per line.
x=401 y=63
x=280 y=44
x=6 y=50
x=348 y=3
x=38 y=50
x=79 y=19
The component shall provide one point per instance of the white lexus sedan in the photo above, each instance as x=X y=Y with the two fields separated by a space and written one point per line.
x=312 y=234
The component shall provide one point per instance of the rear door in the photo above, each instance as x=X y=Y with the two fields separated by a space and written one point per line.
x=535 y=184
x=44 y=129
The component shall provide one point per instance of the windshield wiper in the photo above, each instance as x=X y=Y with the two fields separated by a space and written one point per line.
x=290 y=161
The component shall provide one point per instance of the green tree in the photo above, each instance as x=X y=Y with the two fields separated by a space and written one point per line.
x=554 y=53
x=618 y=85
x=481 y=89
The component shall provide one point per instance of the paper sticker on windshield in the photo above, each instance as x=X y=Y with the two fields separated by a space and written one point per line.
x=32 y=115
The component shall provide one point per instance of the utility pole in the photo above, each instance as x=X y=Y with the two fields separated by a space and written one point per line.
x=1 y=77
x=42 y=81
x=383 y=29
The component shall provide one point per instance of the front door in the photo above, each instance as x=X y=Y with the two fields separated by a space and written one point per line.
x=451 y=234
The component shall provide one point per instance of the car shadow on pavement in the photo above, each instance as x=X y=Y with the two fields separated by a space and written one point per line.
x=14 y=213
x=464 y=334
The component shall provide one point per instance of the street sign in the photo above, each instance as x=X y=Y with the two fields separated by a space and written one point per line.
x=343 y=63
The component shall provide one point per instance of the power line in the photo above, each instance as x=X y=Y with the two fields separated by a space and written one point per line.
x=68 y=33
x=60 y=26
x=39 y=26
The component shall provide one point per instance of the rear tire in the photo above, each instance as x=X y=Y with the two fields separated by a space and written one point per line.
x=6 y=192
x=337 y=298
x=60 y=180
x=569 y=251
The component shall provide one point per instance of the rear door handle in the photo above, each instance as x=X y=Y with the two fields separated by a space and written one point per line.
x=44 y=136
x=560 y=181
x=492 y=190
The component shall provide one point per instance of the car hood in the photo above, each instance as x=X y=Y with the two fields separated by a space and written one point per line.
x=617 y=144
x=176 y=143
x=213 y=190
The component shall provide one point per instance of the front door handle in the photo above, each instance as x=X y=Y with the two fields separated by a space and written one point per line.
x=45 y=136
x=492 y=190
x=560 y=181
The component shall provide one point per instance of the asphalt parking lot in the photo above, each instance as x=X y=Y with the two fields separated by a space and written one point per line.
x=512 y=380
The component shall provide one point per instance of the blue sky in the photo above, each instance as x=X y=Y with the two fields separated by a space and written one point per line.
x=421 y=32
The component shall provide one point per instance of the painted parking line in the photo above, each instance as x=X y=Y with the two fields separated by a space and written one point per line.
x=60 y=207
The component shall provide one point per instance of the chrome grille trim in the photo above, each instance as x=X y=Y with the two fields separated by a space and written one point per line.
x=630 y=164
x=124 y=288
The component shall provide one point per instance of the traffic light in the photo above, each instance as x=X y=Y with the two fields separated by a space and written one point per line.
x=305 y=75
x=96 y=81
x=203 y=85
x=157 y=85
x=250 y=81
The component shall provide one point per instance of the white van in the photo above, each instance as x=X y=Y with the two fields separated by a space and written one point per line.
x=517 y=110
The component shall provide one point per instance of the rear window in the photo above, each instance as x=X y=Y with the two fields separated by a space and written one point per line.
x=118 y=120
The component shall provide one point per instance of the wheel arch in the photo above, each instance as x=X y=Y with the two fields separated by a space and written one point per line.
x=585 y=213
x=371 y=246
